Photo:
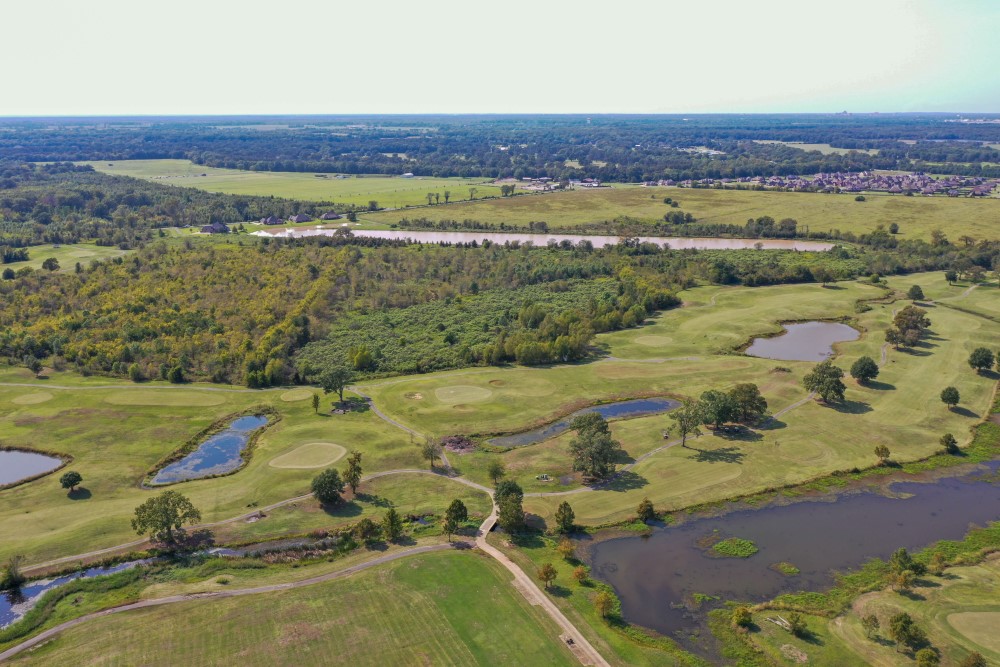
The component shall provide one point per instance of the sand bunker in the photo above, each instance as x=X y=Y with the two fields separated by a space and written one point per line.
x=414 y=395
x=310 y=455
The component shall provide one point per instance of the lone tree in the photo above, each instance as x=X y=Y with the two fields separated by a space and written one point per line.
x=392 y=525
x=883 y=454
x=547 y=573
x=864 y=370
x=974 y=660
x=510 y=513
x=797 y=625
x=981 y=360
x=949 y=443
x=496 y=470
x=335 y=379
x=911 y=318
x=566 y=549
x=161 y=515
x=825 y=380
x=750 y=405
x=327 y=486
x=457 y=511
x=871 y=625
x=580 y=574
x=950 y=397
x=594 y=450
x=450 y=527
x=927 y=657
x=687 y=419
x=915 y=293
x=352 y=473
x=366 y=531
x=645 y=512
x=315 y=402
x=905 y=632
x=431 y=450
x=71 y=480
x=12 y=577
x=951 y=276
x=604 y=602
x=565 y=517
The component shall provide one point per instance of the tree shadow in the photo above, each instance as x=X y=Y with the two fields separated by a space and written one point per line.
x=965 y=412
x=914 y=352
x=879 y=386
x=201 y=538
x=851 y=407
x=740 y=433
x=372 y=499
x=557 y=591
x=79 y=493
x=624 y=458
x=626 y=480
x=377 y=545
x=721 y=455
x=771 y=424
x=343 y=509
x=912 y=595
x=831 y=286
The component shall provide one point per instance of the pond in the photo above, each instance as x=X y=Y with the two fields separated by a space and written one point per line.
x=632 y=408
x=221 y=453
x=805 y=341
x=677 y=243
x=15 y=604
x=656 y=577
x=17 y=465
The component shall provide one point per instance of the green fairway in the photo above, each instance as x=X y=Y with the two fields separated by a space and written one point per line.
x=959 y=612
x=442 y=609
x=388 y=191
x=691 y=353
x=916 y=216
x=310 y=455
x=115 y=441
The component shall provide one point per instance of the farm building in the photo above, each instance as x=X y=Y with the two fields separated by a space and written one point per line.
x=301 y=217
x=271 y=220
x=215 y=228
x=330 y=215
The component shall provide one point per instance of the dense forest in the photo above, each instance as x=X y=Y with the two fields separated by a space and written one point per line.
x=612 y=148
x=262 y=312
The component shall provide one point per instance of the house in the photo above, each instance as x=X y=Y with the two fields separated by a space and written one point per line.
x=301 y=217
x=215 y=228
x=271 y=220
x=330 y=215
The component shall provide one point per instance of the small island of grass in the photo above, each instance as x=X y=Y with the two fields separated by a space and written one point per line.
x=735 y=547
x=786 y=569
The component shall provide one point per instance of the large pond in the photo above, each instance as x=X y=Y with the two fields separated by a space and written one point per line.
x=676 y=243
x=633 y=408
x=656 y=577
x=219 y=454
x=17 y=465
x=806 y=341
x=15 y=604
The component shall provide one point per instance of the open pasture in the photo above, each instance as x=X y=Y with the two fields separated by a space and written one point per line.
x=825 y=149
x=388 y=191
x=67 y=255
x=916 y=216
x=439 y=608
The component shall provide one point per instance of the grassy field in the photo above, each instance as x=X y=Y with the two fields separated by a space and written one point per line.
x=388 y=191
x=66 y=255
x=116 y=435
x=960 y=613
x=683 y=352
x=441 y=608
x=916 y=216
x=825 y=149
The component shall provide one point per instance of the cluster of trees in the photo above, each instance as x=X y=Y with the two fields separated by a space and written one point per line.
x=593 y=449
x=908 y=327
x=742 y=404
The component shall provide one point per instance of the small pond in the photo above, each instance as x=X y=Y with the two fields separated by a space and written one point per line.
x=15 y=604
x=632 y=408
x=16 y=465
x=805 y=341
x=221 y=453
x=656 y=577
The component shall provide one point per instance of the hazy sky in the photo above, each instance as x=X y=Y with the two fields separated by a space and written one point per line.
x=70 y=57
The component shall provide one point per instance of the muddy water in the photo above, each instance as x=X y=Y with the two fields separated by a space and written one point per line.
x=806 y=341
x=656 y=577
x=221 y=453
x=633 y=408
x=15 y=465
x=543 y=239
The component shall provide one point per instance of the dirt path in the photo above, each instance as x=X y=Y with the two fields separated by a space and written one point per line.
x=389 y=420
x=217 y=595
x=580 y=647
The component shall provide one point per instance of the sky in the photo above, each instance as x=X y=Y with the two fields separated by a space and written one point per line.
x=123 y=57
